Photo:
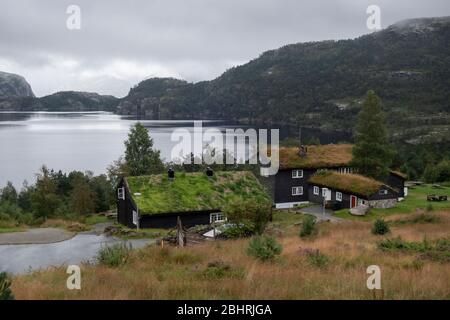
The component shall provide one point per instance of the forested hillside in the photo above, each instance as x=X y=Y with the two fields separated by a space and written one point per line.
x=61 y=101
x=321 y=84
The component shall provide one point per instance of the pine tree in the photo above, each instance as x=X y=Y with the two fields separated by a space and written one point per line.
x=372 y=154
x=44 y=200
x=140 y=156
x=8 y=193
x=82 y=198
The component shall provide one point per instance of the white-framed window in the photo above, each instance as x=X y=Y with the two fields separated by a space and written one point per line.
x=297 y=191
x=297 y=174
x=324 y=192
x=217 y=217
x=338 y=196
x=121 y=193
x=316 y=190
x=346 y=170
x=383 y=192
x=361 y=201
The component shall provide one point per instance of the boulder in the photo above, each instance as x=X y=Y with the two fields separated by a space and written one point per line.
x=360 y=210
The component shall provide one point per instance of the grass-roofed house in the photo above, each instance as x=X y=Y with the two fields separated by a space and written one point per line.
x=350 y=190
x=198 y=198
x=301 y=179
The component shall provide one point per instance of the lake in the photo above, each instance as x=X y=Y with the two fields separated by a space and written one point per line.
x=80 y=141
x=70 y=141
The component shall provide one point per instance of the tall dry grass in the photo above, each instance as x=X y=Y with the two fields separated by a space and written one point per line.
x=176 y=273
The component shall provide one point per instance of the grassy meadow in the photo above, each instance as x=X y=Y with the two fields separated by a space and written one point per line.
x=416 y=200
x=223 y=270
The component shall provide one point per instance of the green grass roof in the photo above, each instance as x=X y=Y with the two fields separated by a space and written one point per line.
x=193 y=191
x=349 y=183
x=328 y=155
x=321 y=156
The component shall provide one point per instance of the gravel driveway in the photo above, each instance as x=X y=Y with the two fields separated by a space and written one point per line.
x=36 y=236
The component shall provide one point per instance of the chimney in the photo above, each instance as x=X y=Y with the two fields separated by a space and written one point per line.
x=209 y=172
x=303 y=151
x=171 y=174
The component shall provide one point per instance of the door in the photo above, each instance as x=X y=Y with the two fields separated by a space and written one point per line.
x=326 y=193
x=352 y=201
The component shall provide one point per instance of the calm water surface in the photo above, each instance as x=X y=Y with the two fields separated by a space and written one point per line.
x=86 y=141
x=71 y=141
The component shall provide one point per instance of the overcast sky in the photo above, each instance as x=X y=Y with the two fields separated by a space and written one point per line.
x=123 y=42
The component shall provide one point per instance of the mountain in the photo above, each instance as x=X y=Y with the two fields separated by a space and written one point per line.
x=61 y=101
x=165 y=98
x=322 y=84
x=13 y=85
x=78 y=101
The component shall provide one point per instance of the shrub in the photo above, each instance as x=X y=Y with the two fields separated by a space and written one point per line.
x=443 y=245
x=430 y=207
x=318 y=259
x=7 y=222
x=241 y=230
x=5 y=291
x=114 y=255
x=380 y=227
x=219 y=269
x=254 y=213
x=393 y=244
x=308 y=227
x=423 y=246
x=264 y=248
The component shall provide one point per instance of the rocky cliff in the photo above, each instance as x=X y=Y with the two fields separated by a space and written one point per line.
x=13 y=85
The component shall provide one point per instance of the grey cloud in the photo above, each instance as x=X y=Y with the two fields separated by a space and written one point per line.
x=123 y=42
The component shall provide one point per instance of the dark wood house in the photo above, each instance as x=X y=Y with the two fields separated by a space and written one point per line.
x=341 y=191
x=293 y=186
x=397 y=179
x=156 y=201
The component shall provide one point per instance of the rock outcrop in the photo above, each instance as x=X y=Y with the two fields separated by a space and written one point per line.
x=13 y=85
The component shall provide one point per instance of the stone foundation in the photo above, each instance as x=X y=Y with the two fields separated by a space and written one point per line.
x=383 y=204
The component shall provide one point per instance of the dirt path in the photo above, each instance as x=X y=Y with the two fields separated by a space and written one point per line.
x=36 y=236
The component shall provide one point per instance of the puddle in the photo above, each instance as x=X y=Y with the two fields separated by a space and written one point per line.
x=19 y=259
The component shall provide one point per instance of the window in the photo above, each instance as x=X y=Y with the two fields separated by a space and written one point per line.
x=297 y=174
x=383 y=192
x=297 y=191
x=217 y=217
x=121 y=193
x=324 y=192
x=346 y=170
x=316 y=190
x=338 y=196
